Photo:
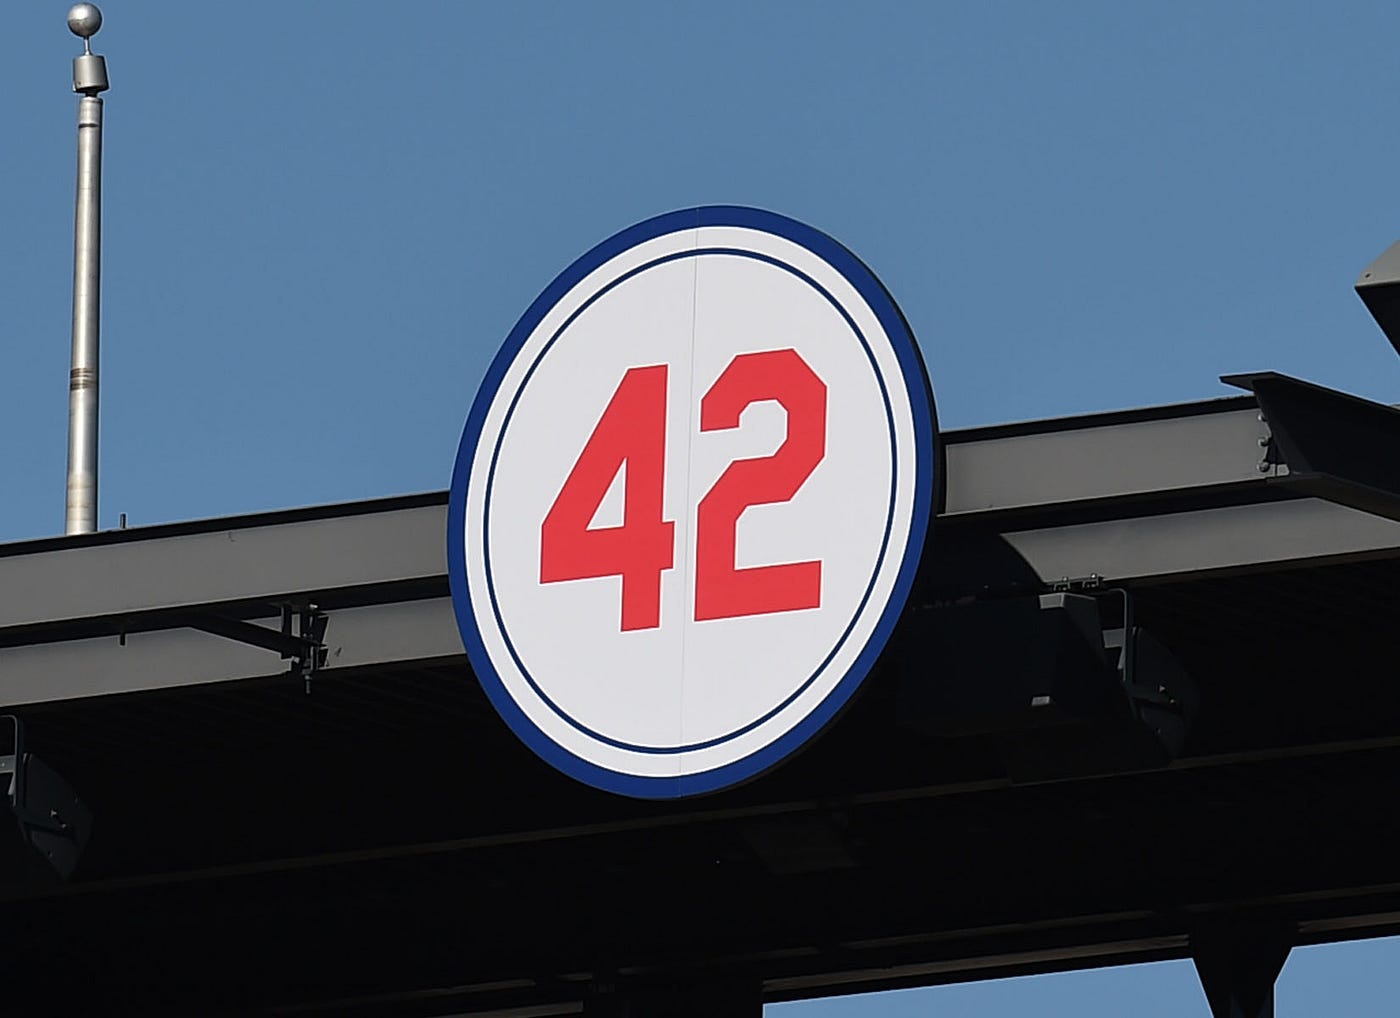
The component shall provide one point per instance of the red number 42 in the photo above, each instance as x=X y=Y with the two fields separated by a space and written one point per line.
x=631 y=434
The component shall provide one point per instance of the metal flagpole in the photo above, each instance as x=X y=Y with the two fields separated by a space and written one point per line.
x=89 y=79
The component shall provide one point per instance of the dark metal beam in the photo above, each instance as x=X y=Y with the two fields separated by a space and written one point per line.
x=246 y=632
x=1172 y=454
x=1156 y=494
x=243 y=562
x=66 y=660
x=1208 y=448
x=1379 y=290
x=1224 y=540
x=99 y=666
x=1329 y=444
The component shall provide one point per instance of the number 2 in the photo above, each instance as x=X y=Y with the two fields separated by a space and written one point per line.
x=723 y=591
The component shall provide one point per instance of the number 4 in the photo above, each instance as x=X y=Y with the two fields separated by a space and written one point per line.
x=631 y=435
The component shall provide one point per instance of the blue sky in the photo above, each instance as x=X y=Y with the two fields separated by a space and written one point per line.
x=322 y=218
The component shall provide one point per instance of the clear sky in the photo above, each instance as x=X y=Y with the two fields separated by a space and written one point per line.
x=322 y=218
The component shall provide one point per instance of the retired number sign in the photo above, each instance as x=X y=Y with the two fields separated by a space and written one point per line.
x=689 y=501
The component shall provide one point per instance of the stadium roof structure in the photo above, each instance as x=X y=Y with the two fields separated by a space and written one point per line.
x=1142 y=705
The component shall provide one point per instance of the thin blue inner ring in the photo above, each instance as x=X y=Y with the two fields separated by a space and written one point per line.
x=491 y=478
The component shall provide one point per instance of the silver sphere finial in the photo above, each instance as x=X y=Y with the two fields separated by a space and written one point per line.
x=84 y=20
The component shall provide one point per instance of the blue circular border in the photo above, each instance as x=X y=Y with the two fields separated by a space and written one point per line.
x=926 y=461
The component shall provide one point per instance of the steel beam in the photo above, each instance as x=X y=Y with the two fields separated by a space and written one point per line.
x=238 y=560
x=1175 y=546
x=1142 y=549
x=1147 y=495
x=1329 y=444
x=1204 y=447
x=1172 y=453
x=1379 y=290
x=355 y=637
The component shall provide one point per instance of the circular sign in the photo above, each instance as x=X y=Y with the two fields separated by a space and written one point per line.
x=690 y=500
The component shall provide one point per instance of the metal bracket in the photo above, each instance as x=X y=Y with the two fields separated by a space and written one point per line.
x=12 y=765
x=1069 y=584
x=305 y=648
x=52 y=820
x=1162 y=695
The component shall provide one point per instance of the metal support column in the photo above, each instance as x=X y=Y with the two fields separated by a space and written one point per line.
x=89 y=80
x=1237 y=962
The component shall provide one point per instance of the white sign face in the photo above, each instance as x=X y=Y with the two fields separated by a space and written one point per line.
x=690 y=500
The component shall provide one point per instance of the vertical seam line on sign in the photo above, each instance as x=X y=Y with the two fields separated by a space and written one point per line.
x=687 y=581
